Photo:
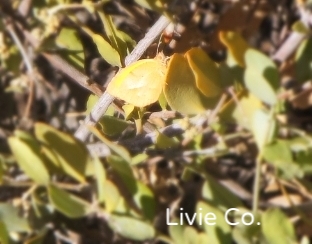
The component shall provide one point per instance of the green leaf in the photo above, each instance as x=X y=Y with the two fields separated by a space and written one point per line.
x=263 y=128
x=219 y=233
x=190 y=235
x=279 y=154
x=68 y=204
x=118 y=39
x=111 y=196
x=261 y=76
x=119 y=150
x=129 y=109
x=145 y=200
x=162 y=101
x=176 y=232
x=131 y=228
x=243 y=112
x=163 y=141
x=156 y=5
x=139 y=158
x=218 y=195
x=4 y=235
x=277 y=228
x=123 y=169
x=180 y=88
x=112 y=126
x=12 y=220
x=100 y=175
x=245 y=234
x=108 y=53
x=72 y=47
x=303 y=58
x=28 y=156
x=300 y=27
x=71 y=153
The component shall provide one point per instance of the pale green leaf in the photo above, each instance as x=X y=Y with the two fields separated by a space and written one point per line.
x=261 y=76
x=68 y=204
x=263 y=128
x=131 y=228
x=277 y=228
x=108 y=53
x=119 y=150
x=28 y=156
x=218 y=233
x=4 y=235
x=71 y=153
x=10 y=217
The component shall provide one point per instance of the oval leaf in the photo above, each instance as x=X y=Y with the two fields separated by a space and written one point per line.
x=131 y=228
x=236 y=44
x=108 y=53
x=71 y=153
x=277 y=228
x=28 y=156
x=68 y=204
x=180 y=89
x=218 y=233
x=261 y=76
x=206 y=72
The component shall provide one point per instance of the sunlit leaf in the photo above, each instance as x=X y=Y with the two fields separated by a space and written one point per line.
x=261 y=76
x=71 y=153
x=10 y=217
x=218 y=232
x=108 y=53
x=4 y=235
x=277 y=228
x=236 y=44
x=119 y=150
x=163 y=141
x=180 y=88
x=278 y=153
x=263 y=127
x=72 y=47
x=131 y=228
x=67 y=203
x=206 y=72
x=28 y=156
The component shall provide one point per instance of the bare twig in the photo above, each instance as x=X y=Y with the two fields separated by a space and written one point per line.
x=106 y=99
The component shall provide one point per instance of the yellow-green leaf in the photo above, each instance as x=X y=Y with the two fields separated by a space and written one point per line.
x=131 y=228
x=71 y=153
x=28 y=156
x=277 y=228
x=261 y=76
x=68 y=204
x=107 y=52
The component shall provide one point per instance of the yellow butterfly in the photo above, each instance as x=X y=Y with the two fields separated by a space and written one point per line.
x=140 y=83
